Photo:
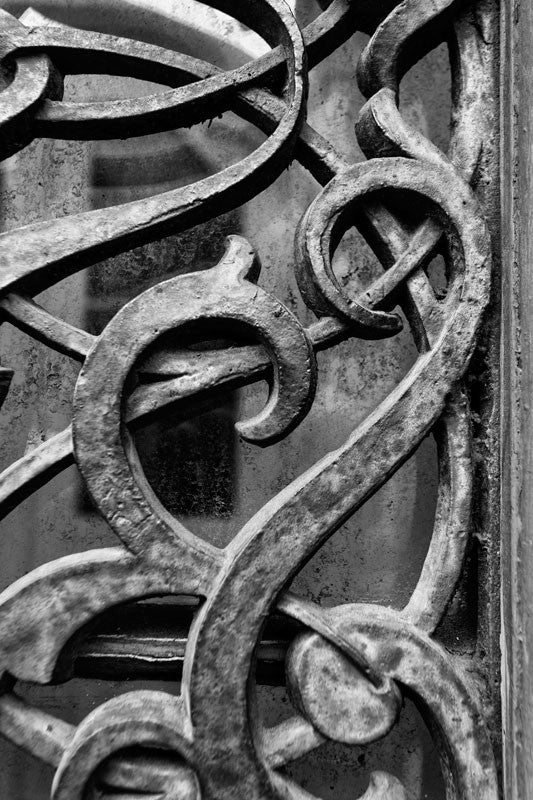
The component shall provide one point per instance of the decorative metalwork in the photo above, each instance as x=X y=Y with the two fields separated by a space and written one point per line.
x=348 y=667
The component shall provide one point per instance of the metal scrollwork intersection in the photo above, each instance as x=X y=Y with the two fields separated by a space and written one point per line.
x=349 y=668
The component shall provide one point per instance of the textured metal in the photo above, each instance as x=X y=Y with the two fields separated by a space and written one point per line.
x=347 y=668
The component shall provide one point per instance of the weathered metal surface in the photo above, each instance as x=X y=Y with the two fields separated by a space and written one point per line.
x=517 y=388
x=349 y=667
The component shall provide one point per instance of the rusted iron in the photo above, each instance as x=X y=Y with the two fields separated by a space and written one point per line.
x=347 y=668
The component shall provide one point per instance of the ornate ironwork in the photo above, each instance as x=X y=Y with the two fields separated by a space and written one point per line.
x=349 y=666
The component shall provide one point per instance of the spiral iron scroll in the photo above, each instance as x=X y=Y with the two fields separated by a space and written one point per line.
x=350 y=666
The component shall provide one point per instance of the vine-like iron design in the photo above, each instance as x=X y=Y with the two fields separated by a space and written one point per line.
x=348 y=667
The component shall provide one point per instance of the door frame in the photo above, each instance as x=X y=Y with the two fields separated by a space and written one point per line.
x=517 y=392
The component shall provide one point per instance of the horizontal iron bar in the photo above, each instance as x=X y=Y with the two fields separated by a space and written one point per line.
x=147 y=641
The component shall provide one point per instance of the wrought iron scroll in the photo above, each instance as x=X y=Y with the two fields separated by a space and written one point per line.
x=348 y=667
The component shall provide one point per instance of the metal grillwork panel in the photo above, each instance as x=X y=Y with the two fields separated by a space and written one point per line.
x=347 y=668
